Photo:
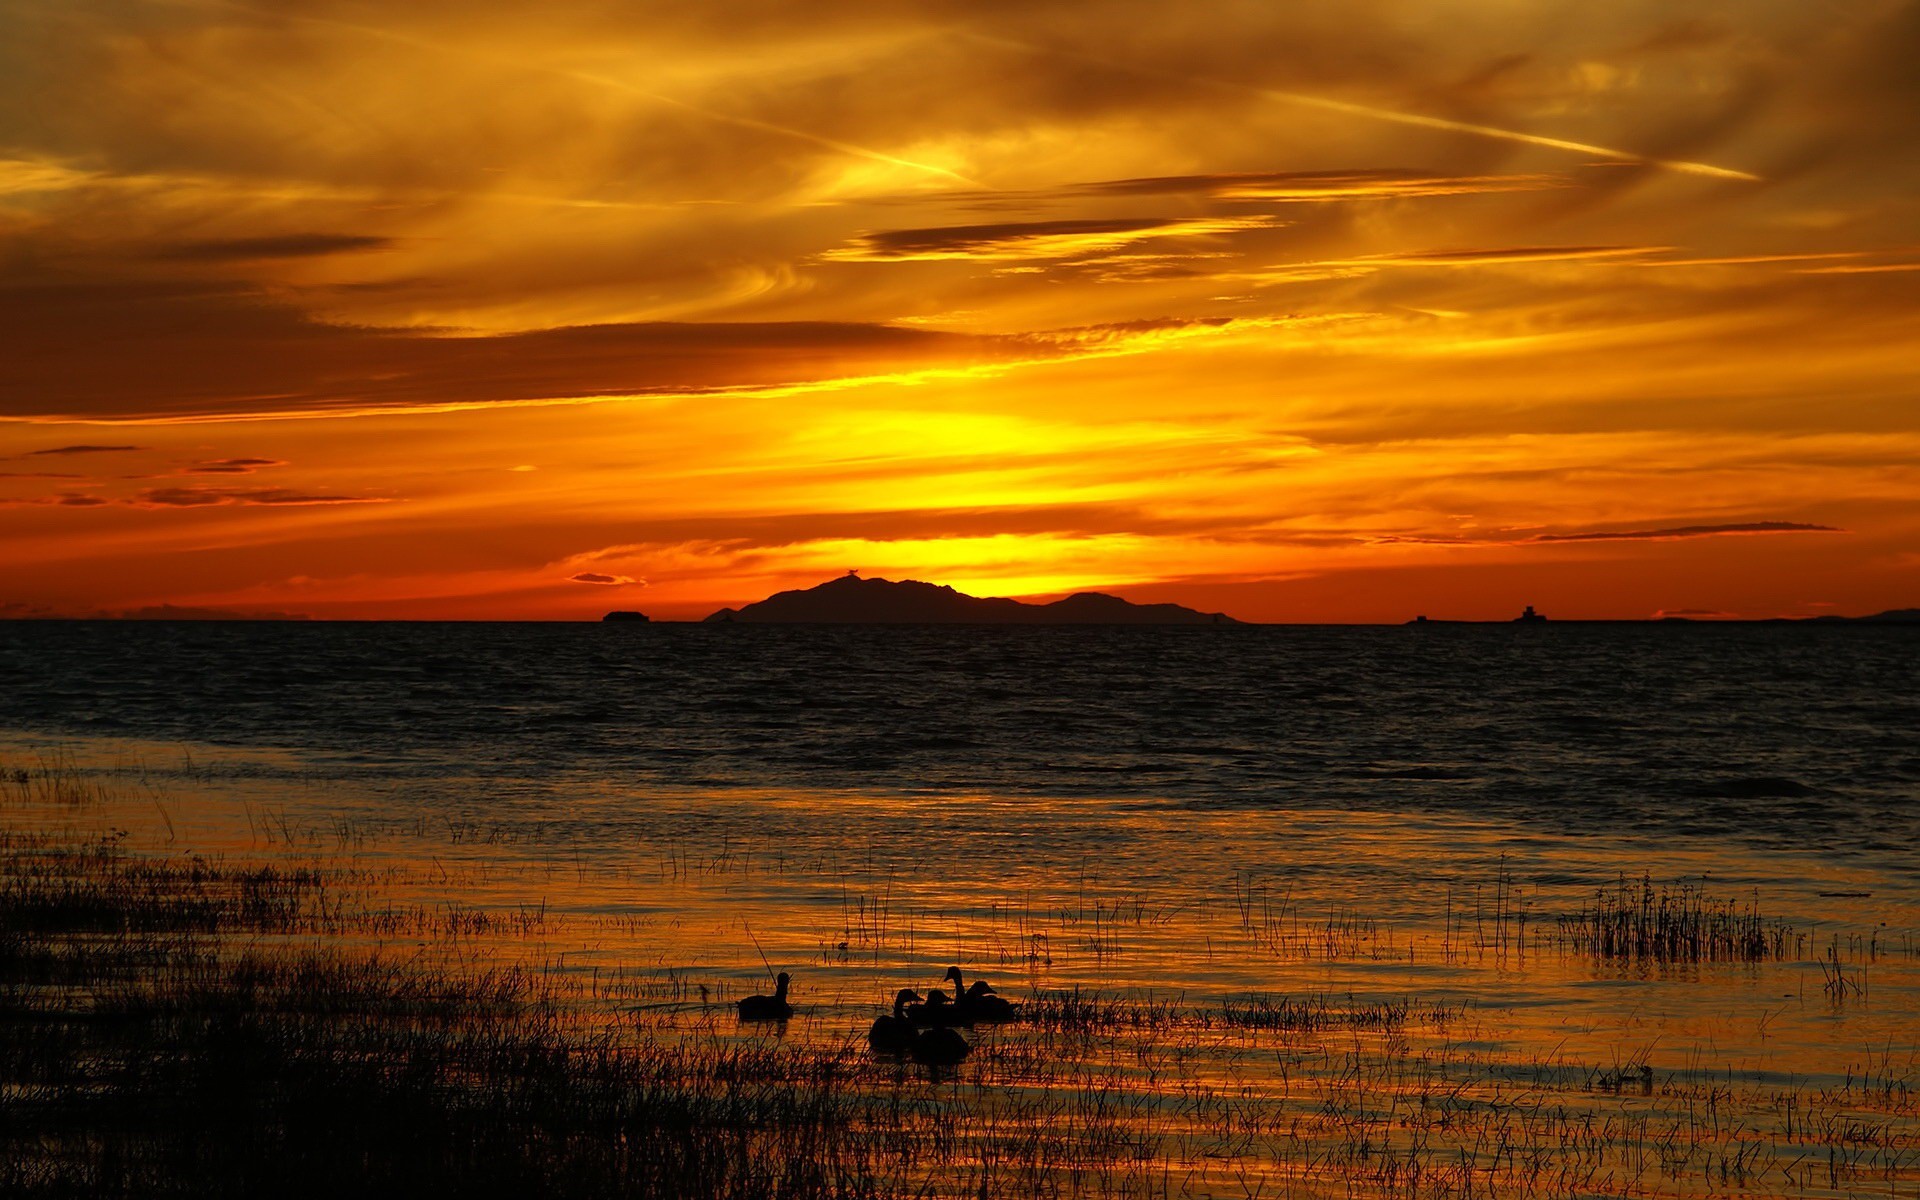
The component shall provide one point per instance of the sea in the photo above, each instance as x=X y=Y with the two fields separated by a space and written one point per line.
x=1790 y=735
x=1338 y=879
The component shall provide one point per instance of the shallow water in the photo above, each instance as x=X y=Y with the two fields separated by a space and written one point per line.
x=1196 y=818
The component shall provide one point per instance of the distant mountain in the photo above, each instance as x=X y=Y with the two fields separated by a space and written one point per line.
x=850 y=600
x=1893 y=616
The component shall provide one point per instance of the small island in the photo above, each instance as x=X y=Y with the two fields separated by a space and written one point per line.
x=625 y=615
x=851 y=600
x=1892 y=616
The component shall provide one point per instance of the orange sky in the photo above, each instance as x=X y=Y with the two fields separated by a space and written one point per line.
x=1319 y=311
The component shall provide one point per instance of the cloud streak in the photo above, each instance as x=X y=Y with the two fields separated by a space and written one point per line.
x=1451 y=300
x=233 y=466
x=1032 y=239
x=1392 y=116
x=290 y=245
x=601 y=580
x=190 y=353
x=1667 y=534
x=1318 y=186
x=1681 y=532
x=196 y=497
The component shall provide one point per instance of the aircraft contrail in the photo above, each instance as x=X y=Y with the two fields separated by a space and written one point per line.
x=608 y=81
x=1393 y=116
x=603 y=81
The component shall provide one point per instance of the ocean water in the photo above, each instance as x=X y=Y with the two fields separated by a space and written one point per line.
x=1194 y=818
x=1789 y=735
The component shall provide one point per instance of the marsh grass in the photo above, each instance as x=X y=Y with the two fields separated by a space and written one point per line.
x=174 y=1025
x=159 y=1037
x=1634 y=922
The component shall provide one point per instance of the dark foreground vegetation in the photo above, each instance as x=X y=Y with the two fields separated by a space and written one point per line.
x=165 y=1030
x=178 y=1026
x=1633 y=921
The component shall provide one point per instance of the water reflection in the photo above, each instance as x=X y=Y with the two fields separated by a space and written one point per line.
x=1297 y=996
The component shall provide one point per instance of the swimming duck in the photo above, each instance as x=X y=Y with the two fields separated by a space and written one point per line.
x=769 y=1008
x=937 y=1011
x=940 y=1047
x=978 y=1002
x=982 y=1005
x=894 y=1034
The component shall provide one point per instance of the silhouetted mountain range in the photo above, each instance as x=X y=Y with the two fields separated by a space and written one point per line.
x=852 y=600
x=1893 y=616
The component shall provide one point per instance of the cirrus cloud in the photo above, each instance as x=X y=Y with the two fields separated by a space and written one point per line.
x=198 y=497
x=1682 y=532
x=595 y=577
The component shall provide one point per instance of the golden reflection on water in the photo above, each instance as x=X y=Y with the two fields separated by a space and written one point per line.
x=1271 y=1002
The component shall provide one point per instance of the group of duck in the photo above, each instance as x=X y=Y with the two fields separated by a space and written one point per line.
x=926 y=1030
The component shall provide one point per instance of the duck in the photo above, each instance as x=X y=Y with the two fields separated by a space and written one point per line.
x=978 y=1002
x=894 y=1033
x=769 y=1008
x=982 y=1005
x=939 y=1047
x=937 y=1011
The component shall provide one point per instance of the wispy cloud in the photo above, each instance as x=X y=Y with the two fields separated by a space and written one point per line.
x=1281 y=187
x=1863 y=269
x=1032 y=239
x=1663 y=534
x=233 y=466
x=1319 y=186
x=192 y=353
x=595 y=577
x=192 y=497
x=1496 y=254
x=22 y=176
x=1681 y=532
x=288 y=245
x=1381 y=113
x=1501 y=288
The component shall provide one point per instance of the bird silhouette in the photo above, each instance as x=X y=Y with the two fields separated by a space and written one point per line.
x=937 y=1011
x=940 y=1047
x=894 y=1033
x=980 y=1004
x=769 y=1008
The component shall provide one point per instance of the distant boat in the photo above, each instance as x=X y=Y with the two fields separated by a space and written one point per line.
x=1529 y=617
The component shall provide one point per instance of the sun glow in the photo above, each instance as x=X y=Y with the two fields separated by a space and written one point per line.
x=1265 y=313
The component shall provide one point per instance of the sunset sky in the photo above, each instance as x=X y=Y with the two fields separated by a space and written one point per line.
x=1327 y=310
